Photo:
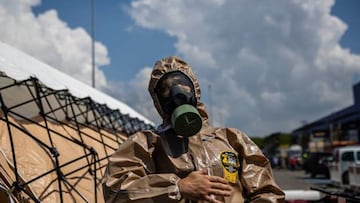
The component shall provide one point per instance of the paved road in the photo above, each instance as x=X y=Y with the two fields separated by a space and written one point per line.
x=297 y=180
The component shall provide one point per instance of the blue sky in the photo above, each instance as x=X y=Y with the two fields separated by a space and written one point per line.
x=348 y=11
x=112 y=23
x=270 y=64
x=128 y=49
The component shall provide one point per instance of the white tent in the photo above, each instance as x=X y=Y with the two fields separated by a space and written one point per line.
x=20 y=66
x=56 y=133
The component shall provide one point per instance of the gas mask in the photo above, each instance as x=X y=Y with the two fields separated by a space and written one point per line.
x=176 y=95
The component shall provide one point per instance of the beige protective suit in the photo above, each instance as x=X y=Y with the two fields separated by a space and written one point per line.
x=144 y=169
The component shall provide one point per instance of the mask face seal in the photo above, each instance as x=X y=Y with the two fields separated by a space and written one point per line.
x=176 y=95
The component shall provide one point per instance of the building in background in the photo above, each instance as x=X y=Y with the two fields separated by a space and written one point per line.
x=340 y=128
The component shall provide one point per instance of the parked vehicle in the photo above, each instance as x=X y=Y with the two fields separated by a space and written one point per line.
x=343 y=158
x=317 y=164
x=354 y=175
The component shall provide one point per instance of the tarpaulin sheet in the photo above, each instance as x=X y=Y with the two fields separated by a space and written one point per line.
x=33 y=159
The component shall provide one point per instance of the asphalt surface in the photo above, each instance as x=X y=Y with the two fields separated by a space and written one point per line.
x=297 y=180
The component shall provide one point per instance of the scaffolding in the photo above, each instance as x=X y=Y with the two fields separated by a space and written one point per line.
x=54 y=146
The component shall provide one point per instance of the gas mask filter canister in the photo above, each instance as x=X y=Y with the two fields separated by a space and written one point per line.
x=186 y=120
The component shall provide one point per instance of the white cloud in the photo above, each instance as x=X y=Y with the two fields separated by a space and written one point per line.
x=51 y=40
x=135 y=94
x=139 y=93
x=271 y=65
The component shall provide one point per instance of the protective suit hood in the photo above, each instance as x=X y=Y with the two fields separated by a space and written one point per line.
x=171 y=64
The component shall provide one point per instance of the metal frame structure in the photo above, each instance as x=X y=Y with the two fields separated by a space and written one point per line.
x=59 y=106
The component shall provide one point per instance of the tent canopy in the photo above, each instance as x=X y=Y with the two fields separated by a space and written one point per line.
x=20 y=66
x=56 y=133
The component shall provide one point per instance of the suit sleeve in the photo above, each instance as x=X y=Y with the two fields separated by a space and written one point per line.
x=131 y=173
x=255 y=173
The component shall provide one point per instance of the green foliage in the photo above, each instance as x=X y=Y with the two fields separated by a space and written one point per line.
x=285 y=139
x=270 y=143
x=259 y=141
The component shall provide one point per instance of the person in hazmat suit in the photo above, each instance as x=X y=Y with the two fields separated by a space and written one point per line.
x=185 y=159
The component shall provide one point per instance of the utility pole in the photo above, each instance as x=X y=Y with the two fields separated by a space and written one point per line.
x=93 y=42
x=210 y=105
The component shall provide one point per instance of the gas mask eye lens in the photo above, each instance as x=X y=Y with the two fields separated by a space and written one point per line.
x=173 y=84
